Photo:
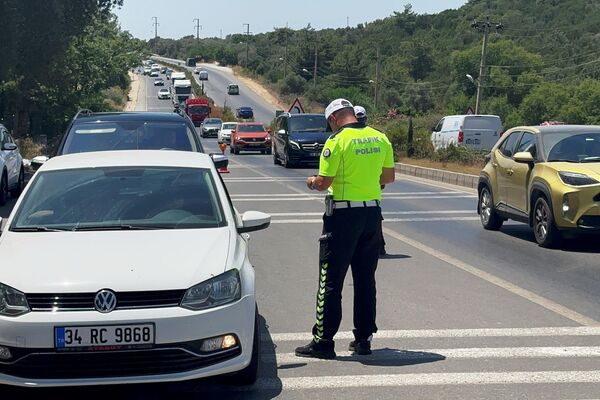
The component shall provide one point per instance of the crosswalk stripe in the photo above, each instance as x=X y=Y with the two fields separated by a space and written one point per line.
x=423 y=379
x=387 y=220
x=439 y=354
x=415 y=212
x=448 y=333
x=465 y=196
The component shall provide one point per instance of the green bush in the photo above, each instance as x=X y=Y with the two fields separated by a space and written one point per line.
x=293 y=84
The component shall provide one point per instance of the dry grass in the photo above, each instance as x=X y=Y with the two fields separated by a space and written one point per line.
x=448 y=166
x=28 y=148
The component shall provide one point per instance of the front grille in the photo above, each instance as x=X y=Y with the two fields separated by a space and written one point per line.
x=312 y=146
x=589 y=222
x=597 y=198
x=253 y=140
x=85 y=301
x=111 y=364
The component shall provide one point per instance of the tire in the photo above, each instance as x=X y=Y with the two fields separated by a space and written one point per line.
x=16 y=192
x=248 y=375
x=286 y=161
x=544 y=229
x=276 y=159
x=490 y=219
x=3 y=190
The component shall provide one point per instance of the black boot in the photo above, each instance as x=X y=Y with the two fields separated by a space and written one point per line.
x=321 y=349
x=360 y=347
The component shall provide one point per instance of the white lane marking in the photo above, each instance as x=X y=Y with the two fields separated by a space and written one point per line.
x=387 y=220
x=386 y=198
x=463 y=354
x=448 y=333
x=312 y=194
x=315 y=214
x=434 y=379
x=486 y=276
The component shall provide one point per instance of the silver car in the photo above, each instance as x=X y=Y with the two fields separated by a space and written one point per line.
x=12 y=178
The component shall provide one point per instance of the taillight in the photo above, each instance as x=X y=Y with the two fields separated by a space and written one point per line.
x=461 y=136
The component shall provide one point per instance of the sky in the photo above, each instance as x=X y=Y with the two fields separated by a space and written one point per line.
x=176 y=17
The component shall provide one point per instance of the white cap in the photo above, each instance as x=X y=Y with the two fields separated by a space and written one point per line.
x=337 y=105
x=360 y=111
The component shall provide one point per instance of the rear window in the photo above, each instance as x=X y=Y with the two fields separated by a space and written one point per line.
x=129 y=135
x=482 y=123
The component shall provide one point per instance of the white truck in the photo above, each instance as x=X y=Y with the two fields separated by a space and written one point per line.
x=177 y=75
x=182 y=90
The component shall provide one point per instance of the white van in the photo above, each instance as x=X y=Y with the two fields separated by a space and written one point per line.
x=480 y=132
x=203 y=75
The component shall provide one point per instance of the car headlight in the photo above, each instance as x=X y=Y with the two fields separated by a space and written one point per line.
x=294 y=145
x=214 y=292
x=12 y=302
x=268 y=137
x=575 y=179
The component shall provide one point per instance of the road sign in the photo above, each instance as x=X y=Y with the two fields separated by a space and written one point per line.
x=469 y=111
x=296 y=107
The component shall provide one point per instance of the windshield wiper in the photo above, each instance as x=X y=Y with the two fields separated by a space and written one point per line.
x=38 y=229
x=563 y=160
x=590 y=159
x=117 y=227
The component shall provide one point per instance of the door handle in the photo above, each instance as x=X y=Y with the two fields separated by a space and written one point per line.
x=510 y=172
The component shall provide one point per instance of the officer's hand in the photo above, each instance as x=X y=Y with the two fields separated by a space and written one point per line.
x=309 y=182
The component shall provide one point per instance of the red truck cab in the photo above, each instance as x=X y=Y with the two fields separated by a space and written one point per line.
x=197 y=109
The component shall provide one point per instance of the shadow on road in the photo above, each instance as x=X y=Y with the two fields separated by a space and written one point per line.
x=582 y=243
x=393 y=358
x=394 y=256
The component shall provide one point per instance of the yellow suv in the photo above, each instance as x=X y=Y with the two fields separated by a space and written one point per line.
x=545 y=176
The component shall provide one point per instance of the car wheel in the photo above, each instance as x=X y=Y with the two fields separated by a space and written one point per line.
x=487 y=212
x=248 y=375
x=3 y=190
x=16 y=192
x=275 y=158
x=546 y=233
x=286 y=161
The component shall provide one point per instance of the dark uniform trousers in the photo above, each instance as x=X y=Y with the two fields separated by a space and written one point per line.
x=351 y=237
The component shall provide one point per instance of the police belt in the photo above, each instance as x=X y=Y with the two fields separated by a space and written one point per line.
x=338 y=204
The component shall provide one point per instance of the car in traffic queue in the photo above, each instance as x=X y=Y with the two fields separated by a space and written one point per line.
x=154 y=74
x=245 y=112
x=114 y=303
x=159 y=82
x=12 y=173
x=91 y=132
x=299 y=139
x=545 y=176
x=250 y=136
x=233 y=89
x=203 y=75
x=225 y=133
x=164 y=94
x=198 y=109
x=211 y=127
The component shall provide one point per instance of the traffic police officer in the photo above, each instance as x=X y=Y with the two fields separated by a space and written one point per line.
x=361 y=117
x=354 y=164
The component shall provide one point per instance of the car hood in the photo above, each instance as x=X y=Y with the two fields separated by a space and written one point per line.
x=309 y=137
x=209 y=126
x=117 y=260
x=590 y=169
x=251 y=134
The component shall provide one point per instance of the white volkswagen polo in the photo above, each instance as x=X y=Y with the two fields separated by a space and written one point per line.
x=133 y=267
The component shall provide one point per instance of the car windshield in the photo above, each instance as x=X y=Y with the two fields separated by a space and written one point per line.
x=129 y=135
x=569 y=147
x=250 y=128
x=229 y=126
x=307 y=123
x=212 y=121
x=198 y=109
x=120 y=198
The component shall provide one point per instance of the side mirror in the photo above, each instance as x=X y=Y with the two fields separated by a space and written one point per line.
x=9 y=147
x=253 y=221
x=38 y=161
x=220 y=160
x=281 y=132
x=524 y=157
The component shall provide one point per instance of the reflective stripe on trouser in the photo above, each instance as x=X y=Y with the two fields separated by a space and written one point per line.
x=351 y=237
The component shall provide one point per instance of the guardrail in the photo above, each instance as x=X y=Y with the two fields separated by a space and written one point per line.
x=440 y=175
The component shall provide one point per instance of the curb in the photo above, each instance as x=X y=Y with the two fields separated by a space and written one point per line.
x=453 y=178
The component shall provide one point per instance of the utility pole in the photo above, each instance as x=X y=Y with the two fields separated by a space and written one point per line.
x=198 y=27
x=316 y=65
x=247 y=42
x=483 y=26
x=285 y=57
x=376 y=95
x=221 y=33
x=155 y=23
x=347 y=22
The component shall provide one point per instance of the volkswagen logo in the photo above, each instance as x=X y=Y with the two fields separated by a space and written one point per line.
x=105 y=301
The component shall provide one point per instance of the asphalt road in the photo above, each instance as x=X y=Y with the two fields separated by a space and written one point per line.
x=463 y=313
x=216 y=88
